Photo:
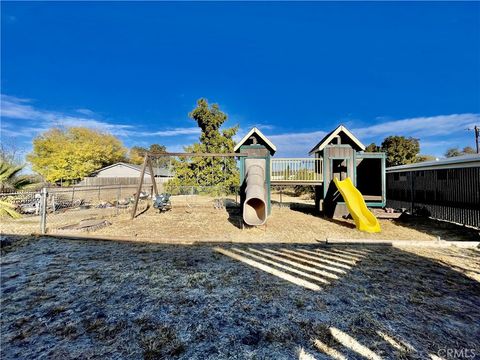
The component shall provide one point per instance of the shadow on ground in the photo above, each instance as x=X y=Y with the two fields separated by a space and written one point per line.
x=91 y=298
x=310 y=210
x=444 y=230
x=235 y=216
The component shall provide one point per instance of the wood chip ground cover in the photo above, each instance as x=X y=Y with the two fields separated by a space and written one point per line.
x=91 y=299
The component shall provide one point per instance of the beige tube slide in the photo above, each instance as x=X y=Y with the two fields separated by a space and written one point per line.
x=255 y=205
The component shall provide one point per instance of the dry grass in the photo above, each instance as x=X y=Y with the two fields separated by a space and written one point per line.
x=196 y=219
x=161 y=343
x=292 y=225
x=94 y=299
x=30 y=224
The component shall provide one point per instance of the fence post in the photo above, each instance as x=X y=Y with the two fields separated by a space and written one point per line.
x=119 y=190
x=98 y=192
x=43 y=211
x=412 y=192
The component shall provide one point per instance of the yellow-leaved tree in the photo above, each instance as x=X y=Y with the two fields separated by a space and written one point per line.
x=69 y=154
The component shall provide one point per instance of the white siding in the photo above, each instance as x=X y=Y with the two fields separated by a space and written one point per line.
x=119 y=171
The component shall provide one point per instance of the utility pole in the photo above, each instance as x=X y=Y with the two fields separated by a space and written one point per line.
x=476 y=131
x=477 y=135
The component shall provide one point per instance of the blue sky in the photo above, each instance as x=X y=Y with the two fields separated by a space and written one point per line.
x=295 y=70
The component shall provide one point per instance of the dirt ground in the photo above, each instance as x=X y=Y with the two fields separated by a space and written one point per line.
x=297 y=224
x=200 y=219
x=107 y=299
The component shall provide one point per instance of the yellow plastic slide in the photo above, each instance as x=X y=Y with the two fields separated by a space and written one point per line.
x=364 y=219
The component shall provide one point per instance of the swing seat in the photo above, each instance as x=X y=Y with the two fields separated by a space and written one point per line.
x=162 y=202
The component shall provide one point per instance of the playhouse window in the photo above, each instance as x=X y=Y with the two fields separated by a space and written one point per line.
x=339 y=168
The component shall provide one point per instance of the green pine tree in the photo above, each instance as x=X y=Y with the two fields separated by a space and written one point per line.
x=208 y=171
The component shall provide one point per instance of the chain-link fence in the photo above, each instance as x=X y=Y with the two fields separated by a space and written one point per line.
x=78 y=209
x=204 y=196
x=288 y=196
x=27 y=213
x=51 y=210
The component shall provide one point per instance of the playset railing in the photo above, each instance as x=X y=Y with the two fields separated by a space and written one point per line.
x=296 y=170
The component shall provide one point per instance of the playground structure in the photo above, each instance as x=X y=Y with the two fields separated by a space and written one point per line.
x=343 y=156
x=363 y=218
x=255 y=191
x=255 y=203
x=337 y=157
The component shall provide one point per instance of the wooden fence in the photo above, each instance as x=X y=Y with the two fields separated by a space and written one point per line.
x=445 y=194
x=103 y=181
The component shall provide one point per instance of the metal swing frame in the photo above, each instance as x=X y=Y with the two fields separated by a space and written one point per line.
x=147 y=162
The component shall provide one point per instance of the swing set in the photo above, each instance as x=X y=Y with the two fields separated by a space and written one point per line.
x=147 y=163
